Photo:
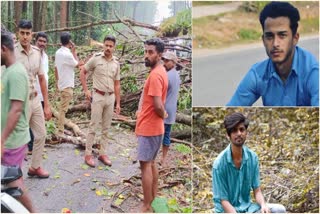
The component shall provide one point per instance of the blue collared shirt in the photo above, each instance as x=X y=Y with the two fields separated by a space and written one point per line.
x=300 y=89
x=233 y=184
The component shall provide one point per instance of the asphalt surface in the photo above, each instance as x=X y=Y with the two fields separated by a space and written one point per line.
x=74 y=187
x=210 y=10
x=217 y=73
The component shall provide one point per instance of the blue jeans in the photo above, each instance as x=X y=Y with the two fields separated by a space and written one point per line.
x=167 y=131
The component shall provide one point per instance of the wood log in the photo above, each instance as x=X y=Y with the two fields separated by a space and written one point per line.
x=183 y=118
x=104 y=22
x=79 y=107
x=181 y=134
x=76 y=130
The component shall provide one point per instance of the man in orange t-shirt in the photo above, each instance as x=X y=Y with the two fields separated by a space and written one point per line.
x=150 y=115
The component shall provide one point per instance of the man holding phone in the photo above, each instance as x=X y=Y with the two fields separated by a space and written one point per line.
x=65 y=62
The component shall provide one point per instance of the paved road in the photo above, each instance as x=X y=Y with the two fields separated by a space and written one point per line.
x=216 y=75
x=210 y=10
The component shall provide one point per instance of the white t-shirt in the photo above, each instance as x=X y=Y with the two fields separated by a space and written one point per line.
x=65 y=63
x=45 y=65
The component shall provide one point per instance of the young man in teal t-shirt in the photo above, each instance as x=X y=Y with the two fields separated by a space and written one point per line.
x=236 y=172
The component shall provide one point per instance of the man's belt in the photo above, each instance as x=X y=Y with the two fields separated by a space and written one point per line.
x=102 y=92
x=33 y=95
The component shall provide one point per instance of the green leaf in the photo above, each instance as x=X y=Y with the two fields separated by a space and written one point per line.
x=118 y=202
x=77 y=152
x=173 y=205
x=183 y=149
x=84 y=166
x=104 y=192
x=187 y=210
x=56 y=176
x=160 y=205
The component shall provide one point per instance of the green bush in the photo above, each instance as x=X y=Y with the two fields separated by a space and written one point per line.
x=248 y=34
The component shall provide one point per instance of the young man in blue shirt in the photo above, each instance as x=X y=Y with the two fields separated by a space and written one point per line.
x=236 y=171
x=290 y=77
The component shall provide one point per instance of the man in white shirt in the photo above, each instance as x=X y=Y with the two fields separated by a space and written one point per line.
x=41 y=43
x=65 y=62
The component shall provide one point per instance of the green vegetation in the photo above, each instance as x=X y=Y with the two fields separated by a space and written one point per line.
x=249 y=34
x=177 y=25
x=253 y=6
x=206 y=3
x=182 y=148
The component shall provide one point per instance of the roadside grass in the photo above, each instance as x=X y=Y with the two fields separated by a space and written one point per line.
x=206 y=3
x=239 y=27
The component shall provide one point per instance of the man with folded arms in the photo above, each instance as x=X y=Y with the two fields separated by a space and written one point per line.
x=105 y=71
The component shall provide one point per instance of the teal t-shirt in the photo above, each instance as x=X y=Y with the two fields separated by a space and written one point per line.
x=234 y=185
x=15 y=86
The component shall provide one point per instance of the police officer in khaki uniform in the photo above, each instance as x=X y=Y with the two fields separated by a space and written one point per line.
x=105 y=71
x=30 y=57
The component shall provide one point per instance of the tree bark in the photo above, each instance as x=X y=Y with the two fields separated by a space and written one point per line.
x=36 y=11
x=76 y=130
x=63 y=14
x=44 y=15
x=25 y=8
x=184 y=119
x=130 y=21
x=181 y=134
x=17 y=12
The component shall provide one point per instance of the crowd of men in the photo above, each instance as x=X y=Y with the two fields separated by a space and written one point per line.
x=25 y=104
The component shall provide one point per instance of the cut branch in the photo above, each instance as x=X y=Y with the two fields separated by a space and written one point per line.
x=103 y=22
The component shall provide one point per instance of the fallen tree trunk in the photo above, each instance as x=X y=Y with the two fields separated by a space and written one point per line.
x=181 y=134
x=79 y=107
x=76 y=130
x=183 y=118
x=104 y=22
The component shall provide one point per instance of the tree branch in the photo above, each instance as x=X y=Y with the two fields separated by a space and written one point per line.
x=103 y=22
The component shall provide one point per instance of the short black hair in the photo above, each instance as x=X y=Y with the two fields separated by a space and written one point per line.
x=65 y=38
x=278 y=9
x=7 y=40
x=25 y=24
x=157 y=42
x=41 y=34
x=232 y=120
x=110 y=38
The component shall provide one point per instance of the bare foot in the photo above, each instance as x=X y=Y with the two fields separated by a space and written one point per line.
x=146 y=209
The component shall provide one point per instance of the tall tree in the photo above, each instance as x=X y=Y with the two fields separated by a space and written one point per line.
x=43 y=15
x=36 y=11
x=17 y=12
x=63 y=13
x=25 y=9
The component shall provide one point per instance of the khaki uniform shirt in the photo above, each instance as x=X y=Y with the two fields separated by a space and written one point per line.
x=32 y=62
x=104 y=72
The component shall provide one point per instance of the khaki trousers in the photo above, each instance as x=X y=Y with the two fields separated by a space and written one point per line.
x=101 y=111
x=37 y=124
x=66 y=96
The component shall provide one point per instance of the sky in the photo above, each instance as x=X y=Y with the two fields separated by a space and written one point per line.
x=162 y=11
